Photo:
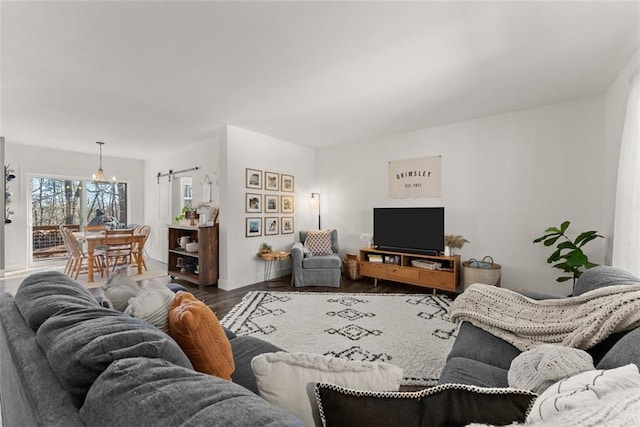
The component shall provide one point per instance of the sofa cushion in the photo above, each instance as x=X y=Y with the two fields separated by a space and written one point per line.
x=288 y=379
x=475 y=343
x=152 y=305
x=318 y=242
x=583 y=389
x=119 y=289
x=540 y=367
x=322 y=262
x=603 y=275
x=444 y=405
x=43 y=294
x=468 y=371
x=151 y=392
x=197 y=330
x=625 y=350
x=244 y=350
x=81 y=343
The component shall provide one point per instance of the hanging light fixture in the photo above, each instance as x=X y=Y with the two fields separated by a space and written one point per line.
x=99 y=176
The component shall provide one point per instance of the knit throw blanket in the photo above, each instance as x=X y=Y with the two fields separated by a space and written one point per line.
x=579 y=322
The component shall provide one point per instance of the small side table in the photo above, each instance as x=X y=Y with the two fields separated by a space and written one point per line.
x=271 y=258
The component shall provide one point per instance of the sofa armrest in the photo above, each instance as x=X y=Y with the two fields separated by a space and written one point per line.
x=297 y=254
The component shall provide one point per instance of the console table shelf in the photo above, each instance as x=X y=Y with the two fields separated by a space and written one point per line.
x=206 y=258
x=398 y=267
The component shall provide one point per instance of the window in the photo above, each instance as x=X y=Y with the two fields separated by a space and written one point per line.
x=74 y=203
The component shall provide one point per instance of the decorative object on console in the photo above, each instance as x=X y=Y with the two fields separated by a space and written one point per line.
x=568 y=255
x=453 y=242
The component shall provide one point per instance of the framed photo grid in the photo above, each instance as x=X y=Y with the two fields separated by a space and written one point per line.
x=267 y=201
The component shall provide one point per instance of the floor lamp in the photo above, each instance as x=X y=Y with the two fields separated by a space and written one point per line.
x=313 y=196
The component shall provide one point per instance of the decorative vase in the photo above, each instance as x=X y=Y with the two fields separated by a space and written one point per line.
x=447 y=251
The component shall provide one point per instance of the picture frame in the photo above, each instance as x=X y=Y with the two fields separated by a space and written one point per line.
x=271 y=225
x=271 y=203
x=253 y=227
x=286 y=204
x=272 y=181
x=253 y=178
x=253 y=203
x=286 y=225
x=287 y=183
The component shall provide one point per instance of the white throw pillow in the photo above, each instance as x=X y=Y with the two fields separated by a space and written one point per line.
x=119 y=289
x=581 y=390
x=152 y=304
x=288 y=380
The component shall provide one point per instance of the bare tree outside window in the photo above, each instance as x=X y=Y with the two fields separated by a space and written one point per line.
x=56 y=202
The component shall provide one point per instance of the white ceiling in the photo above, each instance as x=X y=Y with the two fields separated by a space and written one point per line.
x=147 y=76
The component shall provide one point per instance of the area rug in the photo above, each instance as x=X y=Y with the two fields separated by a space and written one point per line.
x=411 y=331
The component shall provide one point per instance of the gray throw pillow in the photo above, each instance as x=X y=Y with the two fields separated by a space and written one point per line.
x=152 y=392
x=81 y=344
x=43 y=294
x=601 y=276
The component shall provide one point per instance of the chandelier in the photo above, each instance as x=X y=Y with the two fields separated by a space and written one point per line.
x=99 y=176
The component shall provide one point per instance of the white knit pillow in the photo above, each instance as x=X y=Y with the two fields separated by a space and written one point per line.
x=152 y=304
x=319 y=242
x=583 y=390
x=540 y=367
x=288 y=380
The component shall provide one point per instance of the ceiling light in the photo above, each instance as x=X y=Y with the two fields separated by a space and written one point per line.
x=99 y=176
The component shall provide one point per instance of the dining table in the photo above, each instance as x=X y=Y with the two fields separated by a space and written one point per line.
x=95 y=240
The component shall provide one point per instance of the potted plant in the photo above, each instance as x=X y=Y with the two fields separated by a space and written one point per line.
x=568 y=255
x=265 y=248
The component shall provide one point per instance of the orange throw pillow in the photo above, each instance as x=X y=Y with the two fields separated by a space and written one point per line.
x=197 y=330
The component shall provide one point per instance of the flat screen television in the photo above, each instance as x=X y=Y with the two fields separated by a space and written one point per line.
x=414 y=230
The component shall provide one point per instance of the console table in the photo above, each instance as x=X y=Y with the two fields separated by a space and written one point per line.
x=400 y=267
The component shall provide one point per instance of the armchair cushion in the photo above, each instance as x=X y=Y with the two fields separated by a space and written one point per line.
x=318 y=242
x=322 y=262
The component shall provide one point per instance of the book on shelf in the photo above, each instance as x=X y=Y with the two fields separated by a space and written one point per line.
x=375 y=258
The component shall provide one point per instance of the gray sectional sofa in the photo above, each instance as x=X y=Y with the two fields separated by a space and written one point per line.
x=67 y=361
x=479 y=358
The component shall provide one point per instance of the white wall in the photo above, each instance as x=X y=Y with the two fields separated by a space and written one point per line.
x=245 y=149
x=206 y=156
x=505 y=179
x=28 y=160
x=615 y=107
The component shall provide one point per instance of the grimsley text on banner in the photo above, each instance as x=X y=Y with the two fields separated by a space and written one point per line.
x=414 y=178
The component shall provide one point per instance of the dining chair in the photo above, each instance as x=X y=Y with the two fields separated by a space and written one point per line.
x=144 y=230
x=117 y=252
x=100 y=227
x=78 y=260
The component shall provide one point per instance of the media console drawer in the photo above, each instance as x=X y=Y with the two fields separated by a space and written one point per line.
x=434 y=277
x=402 y=274
x=373 y=270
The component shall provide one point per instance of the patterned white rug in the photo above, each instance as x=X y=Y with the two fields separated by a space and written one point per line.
x=412 y=331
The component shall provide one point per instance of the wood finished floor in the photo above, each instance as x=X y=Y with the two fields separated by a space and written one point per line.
x=221 y=302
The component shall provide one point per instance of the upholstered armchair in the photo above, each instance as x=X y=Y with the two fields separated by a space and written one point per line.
x=311 y=269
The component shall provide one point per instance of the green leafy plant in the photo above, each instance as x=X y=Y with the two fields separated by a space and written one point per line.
x=183 y=214
x=265 y=248
x=568 y=255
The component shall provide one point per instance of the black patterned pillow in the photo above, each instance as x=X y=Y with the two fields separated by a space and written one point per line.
x=318 y=242
x=443 y=405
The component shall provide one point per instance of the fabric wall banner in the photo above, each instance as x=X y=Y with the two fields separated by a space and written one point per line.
x=414 y=178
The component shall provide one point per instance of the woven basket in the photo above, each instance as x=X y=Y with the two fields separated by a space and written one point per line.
x=350 y=263
x=485 y=271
